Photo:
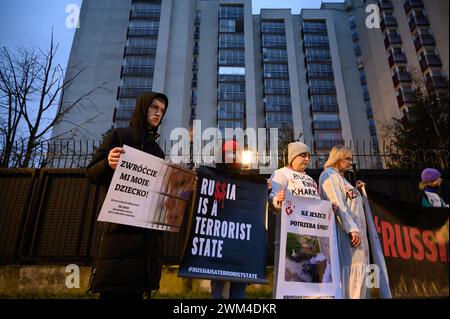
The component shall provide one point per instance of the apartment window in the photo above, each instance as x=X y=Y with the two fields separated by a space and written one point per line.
x=314 y=27
x=224 y=124
x=139 y=61
x=231 y=78
x=275 y=70
x=273 y=27
x=231 y=12
x=147 y=42
x=127 y=102
x=226 y=70
x=321 y=70
x=231 y=41
x=276 y=86
x=231 y=91
x=231 y=26
x=230 y=110
x=334 y=136
x=317 y=55
x=324 y=103
x=146 y=6
x=275 y=103
x=149 y=24
x=138 y=81
x=321 y=83
x=273 y=40
x=315 y=40
x=274 y=55
x=231 y=57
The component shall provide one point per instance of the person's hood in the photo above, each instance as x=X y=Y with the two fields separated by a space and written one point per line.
x=139 y=117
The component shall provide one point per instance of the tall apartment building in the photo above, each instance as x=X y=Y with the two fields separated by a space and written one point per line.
x=321 y=76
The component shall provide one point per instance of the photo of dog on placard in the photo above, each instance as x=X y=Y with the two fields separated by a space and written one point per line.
x=307 y=259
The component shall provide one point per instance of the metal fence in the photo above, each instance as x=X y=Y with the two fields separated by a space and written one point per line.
x=77 y=154
x=48 y=216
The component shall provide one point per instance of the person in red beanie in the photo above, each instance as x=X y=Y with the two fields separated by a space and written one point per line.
x=231 y=161
x=429 y=186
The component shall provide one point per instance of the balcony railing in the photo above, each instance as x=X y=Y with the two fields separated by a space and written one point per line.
x=430 y=60
x=326 y=125
x=417 y=21
x=317 y=58
x=436 y=82
x=131 y=92
x=123 y=113
x=401 y=77
x=319 y=30
x=409 y=4
x=145 y=14
x=316 y=44
x=406 y=97
x=395 y=58
x=388 y=22
x=322 y=90
x=325 y=108
x=327 y=144
x=392 y=38
x=276 y=74
x=385 y=5
x=319 y=74
x=143 y=32
x=422 y=40
x=140 y=50
x=138 y=70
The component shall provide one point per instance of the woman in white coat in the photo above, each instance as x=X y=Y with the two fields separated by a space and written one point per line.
x=354 y=250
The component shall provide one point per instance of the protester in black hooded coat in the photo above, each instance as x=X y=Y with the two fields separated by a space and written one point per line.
x=127 y=262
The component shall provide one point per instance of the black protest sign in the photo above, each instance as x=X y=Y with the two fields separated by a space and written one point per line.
x=228 y=237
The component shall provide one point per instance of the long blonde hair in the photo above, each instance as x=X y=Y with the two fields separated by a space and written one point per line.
x=337 y=153
x=422 y=185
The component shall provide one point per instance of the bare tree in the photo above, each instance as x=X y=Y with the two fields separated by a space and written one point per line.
x=32 y=88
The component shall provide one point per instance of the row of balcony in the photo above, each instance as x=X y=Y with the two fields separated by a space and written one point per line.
x=407 y=4
x=140 y=50
x=325 y=90
x=417 y=20
x=145 y=14
x=143 y=32
x=138 y=70
x=324 y=108
x=319 y=75
x=429 y=60
x=326 y=125
x=326 y=144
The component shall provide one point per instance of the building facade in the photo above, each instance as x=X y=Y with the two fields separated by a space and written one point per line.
x=322 y=76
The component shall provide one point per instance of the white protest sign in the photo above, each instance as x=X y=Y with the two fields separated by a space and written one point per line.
x=148 y=192
x=308 y=266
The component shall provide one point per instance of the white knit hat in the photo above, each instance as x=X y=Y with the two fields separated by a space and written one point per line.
x=295 y=149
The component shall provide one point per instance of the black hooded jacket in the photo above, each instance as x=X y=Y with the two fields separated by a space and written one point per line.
x=128 y=258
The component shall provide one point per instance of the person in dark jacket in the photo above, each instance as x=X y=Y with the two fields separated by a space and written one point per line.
x=127 y=263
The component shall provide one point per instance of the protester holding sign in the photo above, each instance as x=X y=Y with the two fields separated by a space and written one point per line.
x=293 y=179
x=220 y=289
x=227 y=239
x=429 y=187
x=128 y=259
x=352 y=233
